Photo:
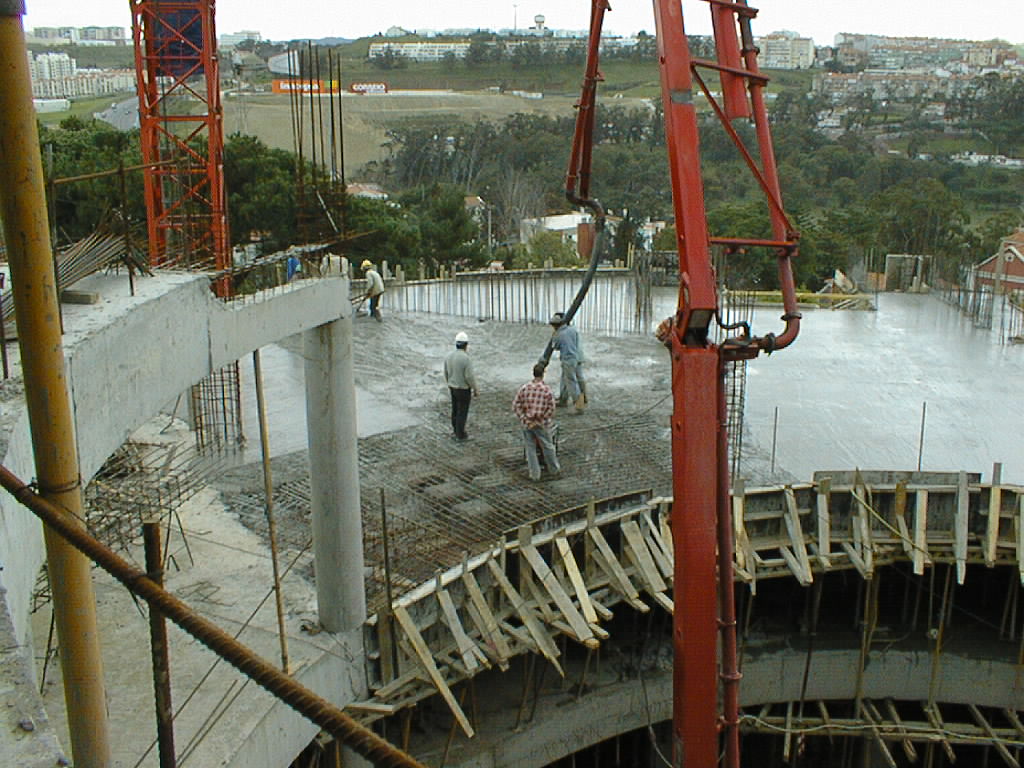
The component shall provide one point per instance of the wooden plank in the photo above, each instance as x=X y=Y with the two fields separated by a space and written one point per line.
x=486 y=623
x=995 y=741
x=638 y=552
x=537 y=597
x=901 y=519
x=540 y=636
x=554 y=588
x=995 y=499
x=423 y=653
x=796 y=536
x=921 y=533
x=657 y=546
x=617 y=575
x=824 y=522
x=388 y=662
x=576 y=579
x=1014 y=720
x=451 y=617
x=960 y=527
x=376 y=707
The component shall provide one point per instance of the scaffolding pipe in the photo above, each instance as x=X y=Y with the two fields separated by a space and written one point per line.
x=304 y=701
x=37 y=313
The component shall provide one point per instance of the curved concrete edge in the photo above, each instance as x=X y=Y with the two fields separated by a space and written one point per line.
x=561 y=727
x=126 y=357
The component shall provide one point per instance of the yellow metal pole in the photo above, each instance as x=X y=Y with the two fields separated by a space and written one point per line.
x=23 y=210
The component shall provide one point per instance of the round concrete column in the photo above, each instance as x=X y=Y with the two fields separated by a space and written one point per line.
x=334 y=475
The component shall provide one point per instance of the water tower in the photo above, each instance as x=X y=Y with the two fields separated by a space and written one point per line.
x=538 y=21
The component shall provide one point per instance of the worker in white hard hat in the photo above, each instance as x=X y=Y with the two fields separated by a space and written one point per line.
x=374 y=288
x=458 y=375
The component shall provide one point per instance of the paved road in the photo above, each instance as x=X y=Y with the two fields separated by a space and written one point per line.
x=123 y=115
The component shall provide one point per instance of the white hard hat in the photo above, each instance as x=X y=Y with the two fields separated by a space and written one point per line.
x=461 y=338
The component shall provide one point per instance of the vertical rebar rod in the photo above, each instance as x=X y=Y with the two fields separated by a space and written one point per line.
x=268 y=501
x=37 y=313
x=158 y=650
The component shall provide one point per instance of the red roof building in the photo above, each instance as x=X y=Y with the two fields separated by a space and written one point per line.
x=1005 y=267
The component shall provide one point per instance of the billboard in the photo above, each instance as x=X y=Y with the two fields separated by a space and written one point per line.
x=367 y=88
x=305 y=86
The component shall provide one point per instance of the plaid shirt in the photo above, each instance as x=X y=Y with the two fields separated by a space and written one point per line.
x=534 y=404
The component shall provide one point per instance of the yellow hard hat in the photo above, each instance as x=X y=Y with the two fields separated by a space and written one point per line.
x=367 y=264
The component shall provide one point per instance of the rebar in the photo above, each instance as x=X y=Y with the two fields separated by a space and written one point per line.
x=304 y=701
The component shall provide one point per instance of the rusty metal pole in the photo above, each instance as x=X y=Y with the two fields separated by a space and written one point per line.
x=37 y=313
x=158 y=650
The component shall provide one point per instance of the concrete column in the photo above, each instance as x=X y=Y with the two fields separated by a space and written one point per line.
x=334 y=475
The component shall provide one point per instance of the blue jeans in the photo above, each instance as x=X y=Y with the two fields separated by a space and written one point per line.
x=533 y=436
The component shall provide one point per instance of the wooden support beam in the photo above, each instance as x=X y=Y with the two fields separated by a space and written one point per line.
x=613 y=569
x=794 y=564
x=640 y=556
x=921 y=532
x=908 y=745
x=858 y=563
x=655 y=542
x=823 y=498
x=796 y=536
x=467 y=648
x=576 y=579
x=1014 y=720
x=826 y=720
x=664 y=524
x=487 y=625
x=787 y=739
x=419 y=645
x=901 y=519
x=536 y=630
x=873 y=718
x=374 y=707
x=935 y=718
x=581 y=630
x=995 y=740
x=960 y=527
x=994 y=507
x=862 y=525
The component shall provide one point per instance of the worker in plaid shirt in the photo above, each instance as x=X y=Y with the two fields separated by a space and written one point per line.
x=534 y=404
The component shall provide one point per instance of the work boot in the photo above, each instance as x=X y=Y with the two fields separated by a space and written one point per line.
x=581 y=403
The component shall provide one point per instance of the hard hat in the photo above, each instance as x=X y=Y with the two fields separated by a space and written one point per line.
x=557 y=319
x=461 y=338
x=367 y=264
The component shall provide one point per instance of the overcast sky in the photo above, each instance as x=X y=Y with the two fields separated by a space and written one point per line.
x=819 y=19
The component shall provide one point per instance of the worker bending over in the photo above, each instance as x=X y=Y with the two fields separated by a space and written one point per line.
x=374 y=288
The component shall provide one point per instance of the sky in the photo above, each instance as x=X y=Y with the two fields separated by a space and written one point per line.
x=819 y=19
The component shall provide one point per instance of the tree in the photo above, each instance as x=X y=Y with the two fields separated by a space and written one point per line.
x=546 y=246
x=260 y=184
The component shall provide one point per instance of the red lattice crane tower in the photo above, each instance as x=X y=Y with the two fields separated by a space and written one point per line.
x=182 y=133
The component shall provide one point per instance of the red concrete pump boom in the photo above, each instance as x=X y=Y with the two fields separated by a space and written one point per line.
x=702 y=525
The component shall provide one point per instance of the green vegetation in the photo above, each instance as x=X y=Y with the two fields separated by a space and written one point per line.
x=93 y=56
x=83 y=108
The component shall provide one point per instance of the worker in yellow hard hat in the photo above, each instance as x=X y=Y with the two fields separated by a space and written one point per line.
x=374 y=288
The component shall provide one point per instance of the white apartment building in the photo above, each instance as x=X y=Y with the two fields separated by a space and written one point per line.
x=57 y=76
x=785 y=51
x=50 y=66
x=234 y=38
x=420 y=51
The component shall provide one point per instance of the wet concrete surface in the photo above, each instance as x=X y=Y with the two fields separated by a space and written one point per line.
x=849 y=394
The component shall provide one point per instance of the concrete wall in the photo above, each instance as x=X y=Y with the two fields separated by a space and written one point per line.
x=559 y=728
x=126 y=357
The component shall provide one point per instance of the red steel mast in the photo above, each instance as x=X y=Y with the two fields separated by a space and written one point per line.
x=702 y=530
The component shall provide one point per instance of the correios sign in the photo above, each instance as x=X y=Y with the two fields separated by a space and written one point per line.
x=368 y=88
